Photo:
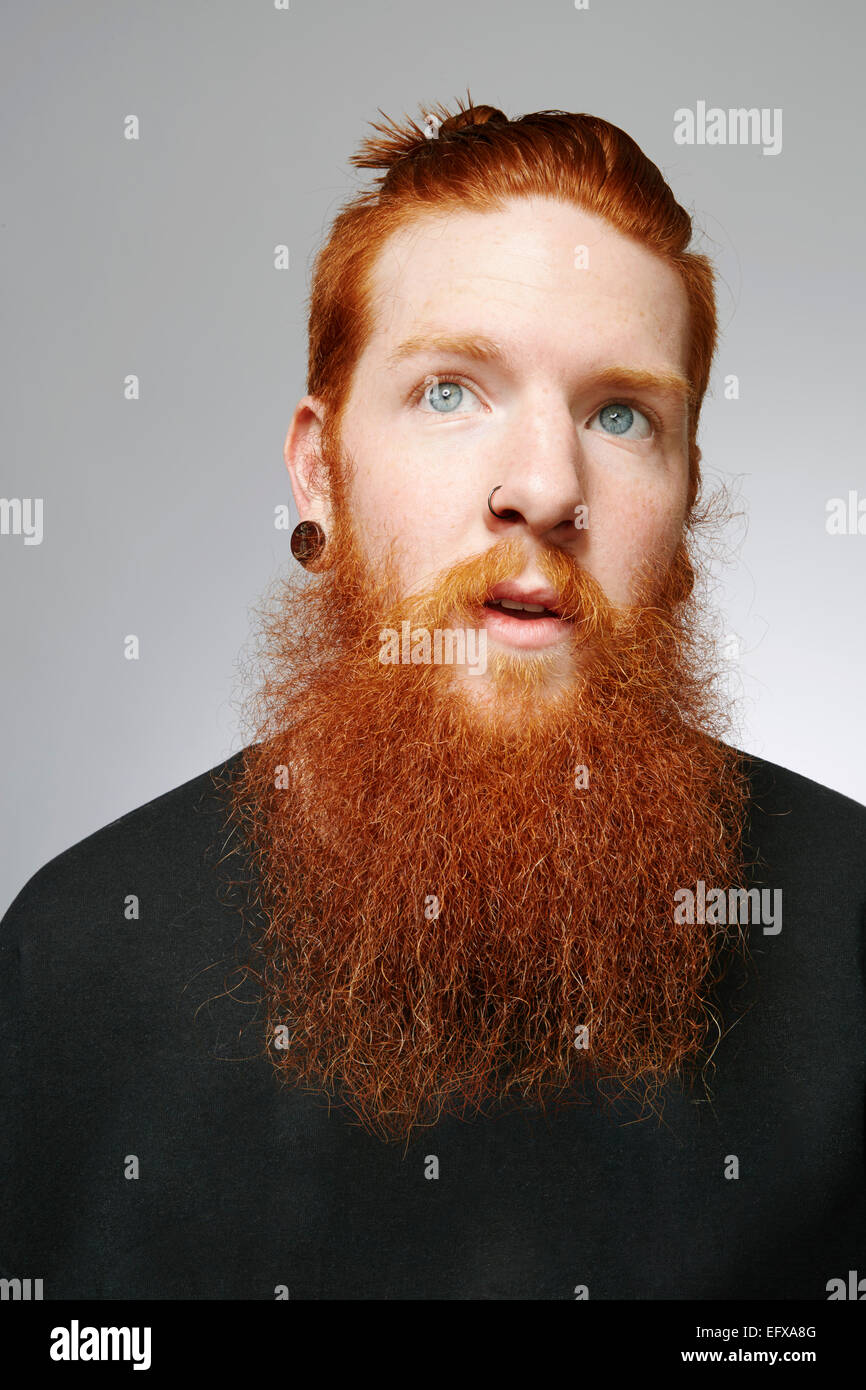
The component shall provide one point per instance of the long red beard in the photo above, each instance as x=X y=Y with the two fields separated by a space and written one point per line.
x=452 y=912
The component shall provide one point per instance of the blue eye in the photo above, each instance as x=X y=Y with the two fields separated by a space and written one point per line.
x=617 y=418
x=446 y=396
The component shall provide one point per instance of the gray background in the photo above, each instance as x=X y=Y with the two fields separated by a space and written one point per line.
x=156 y=257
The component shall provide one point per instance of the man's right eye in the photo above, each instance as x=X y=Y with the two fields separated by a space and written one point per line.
x=446 y=396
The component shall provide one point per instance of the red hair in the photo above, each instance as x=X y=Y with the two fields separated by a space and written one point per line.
x=478 y=160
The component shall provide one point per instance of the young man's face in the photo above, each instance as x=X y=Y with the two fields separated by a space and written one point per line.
x=549 y=421
x=422 y=856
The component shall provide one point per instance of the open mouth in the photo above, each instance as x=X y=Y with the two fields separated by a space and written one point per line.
x=521 y=611
x=531 y=621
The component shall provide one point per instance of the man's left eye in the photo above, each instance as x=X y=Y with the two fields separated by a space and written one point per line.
x=624 y=421
x=447 y=397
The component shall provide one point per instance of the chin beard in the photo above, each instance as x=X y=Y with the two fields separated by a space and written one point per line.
x=466 y=902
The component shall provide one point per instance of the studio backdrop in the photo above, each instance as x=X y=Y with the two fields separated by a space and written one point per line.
x=169 y=171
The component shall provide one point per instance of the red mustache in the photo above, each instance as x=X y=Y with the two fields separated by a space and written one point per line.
x=462 y=590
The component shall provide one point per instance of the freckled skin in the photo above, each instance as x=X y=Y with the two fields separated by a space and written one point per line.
x=533 y=426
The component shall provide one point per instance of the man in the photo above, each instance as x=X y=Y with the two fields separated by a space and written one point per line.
x=565 y=991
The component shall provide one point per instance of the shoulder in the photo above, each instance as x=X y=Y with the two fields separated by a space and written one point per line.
x=160 y=854
x=809 y=840
x=785 y=802
x=120 y=964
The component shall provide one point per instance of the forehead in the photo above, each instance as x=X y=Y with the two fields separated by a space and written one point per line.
x=546 y=278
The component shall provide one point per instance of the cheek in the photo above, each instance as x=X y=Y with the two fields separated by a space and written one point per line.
x=631 y=528
x=431 y=505
x=387 y=506
x=380 y=499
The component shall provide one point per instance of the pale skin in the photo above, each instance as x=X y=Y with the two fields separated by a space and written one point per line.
x=533 y=420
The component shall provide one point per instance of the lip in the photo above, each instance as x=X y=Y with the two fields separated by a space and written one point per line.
x=527 y=633
x=509 y=588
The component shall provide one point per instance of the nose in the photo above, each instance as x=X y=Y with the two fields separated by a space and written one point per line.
x=540 y=484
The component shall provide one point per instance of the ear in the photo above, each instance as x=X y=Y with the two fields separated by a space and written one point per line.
x=303 y=454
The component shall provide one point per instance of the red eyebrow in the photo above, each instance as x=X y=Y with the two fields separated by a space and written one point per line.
x=666 y=381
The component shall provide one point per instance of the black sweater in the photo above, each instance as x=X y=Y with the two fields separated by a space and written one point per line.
x=120 y=1050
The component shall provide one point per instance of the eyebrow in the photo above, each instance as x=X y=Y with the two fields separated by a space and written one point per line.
x=665 y=381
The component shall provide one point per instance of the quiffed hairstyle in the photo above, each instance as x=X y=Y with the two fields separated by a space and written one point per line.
x=477 y=159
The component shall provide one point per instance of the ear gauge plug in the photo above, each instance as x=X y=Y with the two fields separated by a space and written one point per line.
x=308 y=542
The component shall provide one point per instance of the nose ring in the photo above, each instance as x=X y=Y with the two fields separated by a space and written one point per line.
x=500 y=515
